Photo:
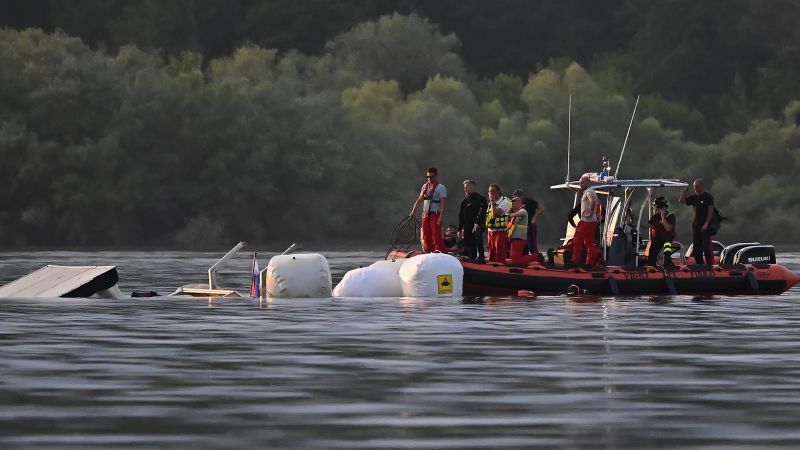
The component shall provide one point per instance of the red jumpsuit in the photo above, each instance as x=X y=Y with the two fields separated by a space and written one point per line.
x=498 y=244
x=584 y=237
x=432 y=239
x=432 y=233
x=586 y=229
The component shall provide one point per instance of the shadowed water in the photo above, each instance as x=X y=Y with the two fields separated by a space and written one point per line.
x=389 y=373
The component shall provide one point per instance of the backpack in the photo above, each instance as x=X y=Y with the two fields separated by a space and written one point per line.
x=716 y=221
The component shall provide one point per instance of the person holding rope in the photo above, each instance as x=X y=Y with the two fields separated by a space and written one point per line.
x=433 y=197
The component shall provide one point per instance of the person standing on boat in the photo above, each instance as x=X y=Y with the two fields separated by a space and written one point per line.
x=471 y=221
x=496 y=217
x=703 y=204
x=585 y=231
x=662 y=232
x=433 y=197
x=534 y=209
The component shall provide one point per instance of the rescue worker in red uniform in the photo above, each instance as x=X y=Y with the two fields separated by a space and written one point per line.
x=433 y=197
x=518 y=233
x=585 y=232
x=496 y=217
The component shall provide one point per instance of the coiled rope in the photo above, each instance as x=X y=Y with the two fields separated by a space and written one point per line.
x=405 y=234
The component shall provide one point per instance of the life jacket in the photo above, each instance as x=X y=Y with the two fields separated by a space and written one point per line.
x=427 y=195
x=493 y=222
x=517 y=223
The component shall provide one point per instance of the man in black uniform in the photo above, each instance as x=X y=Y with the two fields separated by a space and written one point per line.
x=472 y=220
x=662 y=232
x=703 y=204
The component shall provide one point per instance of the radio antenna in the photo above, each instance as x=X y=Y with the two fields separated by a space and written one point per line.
x=569 y=134
x=616 y=171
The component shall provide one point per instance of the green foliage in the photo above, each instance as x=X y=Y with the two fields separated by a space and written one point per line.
x=145 y=146
x=408 y=49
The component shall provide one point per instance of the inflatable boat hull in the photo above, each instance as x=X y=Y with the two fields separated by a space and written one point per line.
x=491 y=279
x=756 y=279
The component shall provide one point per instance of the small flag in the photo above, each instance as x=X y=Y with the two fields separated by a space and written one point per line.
x=255 y=282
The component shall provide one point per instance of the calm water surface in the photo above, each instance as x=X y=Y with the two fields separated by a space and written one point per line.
x=389 y=373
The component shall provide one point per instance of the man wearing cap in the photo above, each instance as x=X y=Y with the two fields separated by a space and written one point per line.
x=433 y=197
x=534 y=209
x=662 y=232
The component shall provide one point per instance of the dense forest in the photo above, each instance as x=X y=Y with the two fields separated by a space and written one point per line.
x=196 y=123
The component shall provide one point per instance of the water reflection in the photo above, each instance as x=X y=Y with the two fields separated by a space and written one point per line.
x=550 y=372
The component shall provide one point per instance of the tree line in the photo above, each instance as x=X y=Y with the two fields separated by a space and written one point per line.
x=109 y=143
x=727 y=61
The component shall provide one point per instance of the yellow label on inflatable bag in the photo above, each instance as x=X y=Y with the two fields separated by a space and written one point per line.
x=445 y=283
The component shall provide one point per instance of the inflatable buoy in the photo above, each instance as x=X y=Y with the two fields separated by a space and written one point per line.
x=370 y=282
x=302 y=275
x=432 y=275
x=390 y=264
x=526 y=294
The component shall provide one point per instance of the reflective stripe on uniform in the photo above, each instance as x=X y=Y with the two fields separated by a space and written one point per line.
x=495 y=223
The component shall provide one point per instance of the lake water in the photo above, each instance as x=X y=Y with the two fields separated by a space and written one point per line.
x=398 y=373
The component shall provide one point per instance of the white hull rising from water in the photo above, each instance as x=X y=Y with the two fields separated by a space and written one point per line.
x=53 y=281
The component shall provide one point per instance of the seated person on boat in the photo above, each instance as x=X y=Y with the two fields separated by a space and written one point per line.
x=518 y=232
x=452 y=243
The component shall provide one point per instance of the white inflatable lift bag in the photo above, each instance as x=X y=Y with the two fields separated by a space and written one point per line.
x=390 y=264
x=370 y=282
x=300 y=275
x=432 y=275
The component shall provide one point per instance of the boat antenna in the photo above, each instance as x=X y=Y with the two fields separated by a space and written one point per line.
x=569 y=134
x=616 y=171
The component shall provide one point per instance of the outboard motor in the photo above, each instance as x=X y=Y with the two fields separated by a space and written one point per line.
x=755 y=254
x=729 y=252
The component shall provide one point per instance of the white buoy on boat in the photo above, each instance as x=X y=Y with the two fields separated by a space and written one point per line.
x=432 y=275
x=302 y=275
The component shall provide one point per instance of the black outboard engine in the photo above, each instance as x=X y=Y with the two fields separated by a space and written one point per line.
x=755 y=254
x=729 y=252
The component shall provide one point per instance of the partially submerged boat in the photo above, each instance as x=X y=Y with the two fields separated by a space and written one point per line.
x=54 y=281
x=212 y=289
x=743 y=268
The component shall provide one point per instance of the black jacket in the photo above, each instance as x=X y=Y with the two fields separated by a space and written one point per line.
x=473 y=210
